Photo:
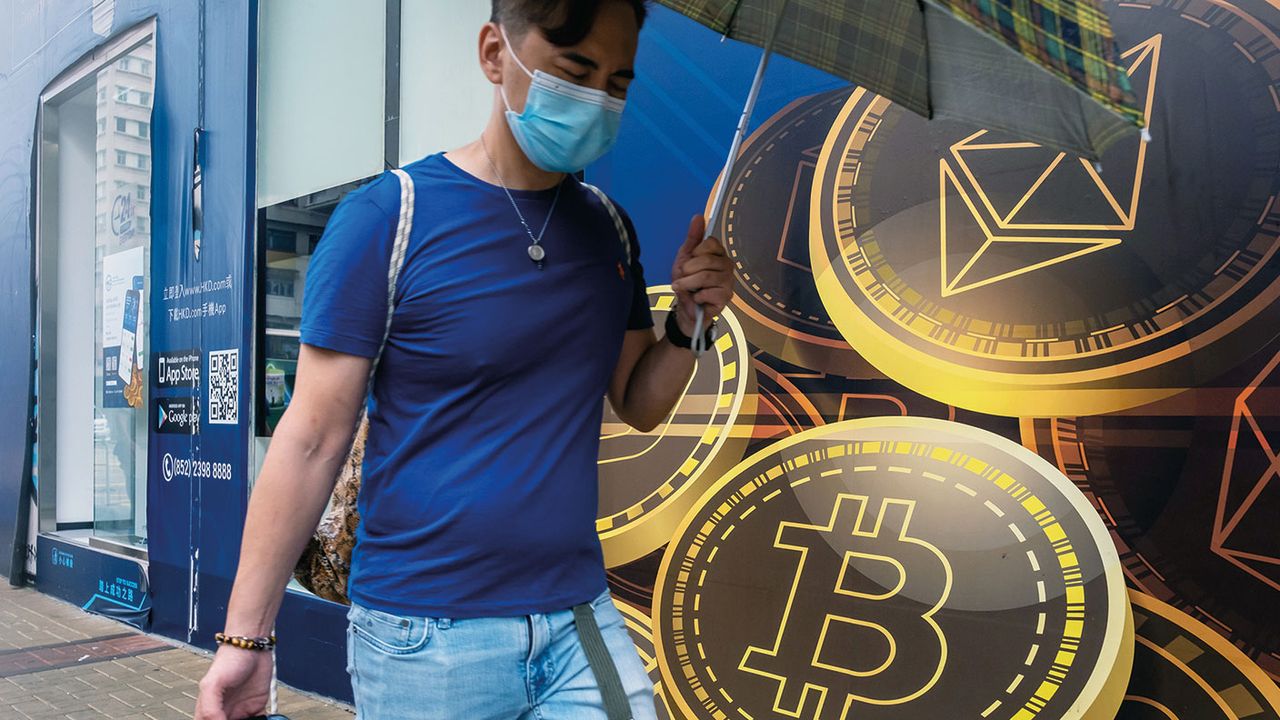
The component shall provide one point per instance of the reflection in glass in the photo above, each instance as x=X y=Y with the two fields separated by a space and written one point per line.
x=122 y=237
x=291 y=232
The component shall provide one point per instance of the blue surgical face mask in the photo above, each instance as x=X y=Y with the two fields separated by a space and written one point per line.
x=564 y=126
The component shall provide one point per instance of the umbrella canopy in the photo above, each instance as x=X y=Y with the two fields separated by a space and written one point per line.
x=1045 y=70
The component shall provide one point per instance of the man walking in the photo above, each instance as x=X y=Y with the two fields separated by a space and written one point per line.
x=521 y=302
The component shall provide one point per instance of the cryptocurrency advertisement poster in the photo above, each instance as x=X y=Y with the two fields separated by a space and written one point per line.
x=989 y=430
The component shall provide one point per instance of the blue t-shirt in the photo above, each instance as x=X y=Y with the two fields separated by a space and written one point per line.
x=479 y=490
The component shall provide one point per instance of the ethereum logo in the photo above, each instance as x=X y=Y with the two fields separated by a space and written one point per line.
x=989 y=234
x=1249 y=493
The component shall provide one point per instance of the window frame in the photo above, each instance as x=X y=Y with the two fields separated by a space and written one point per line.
x=75 y=78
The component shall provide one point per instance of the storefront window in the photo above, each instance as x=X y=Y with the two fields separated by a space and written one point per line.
x=383 y=118
x=306 y=49
x=290 y=232
x=442 y=66
x=321 y=70
x=94 y=232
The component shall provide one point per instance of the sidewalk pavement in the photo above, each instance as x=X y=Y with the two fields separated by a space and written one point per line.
x=58 y=662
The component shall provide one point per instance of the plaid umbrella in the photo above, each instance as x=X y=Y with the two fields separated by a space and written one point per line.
x=1044 y=70
x=1026 y=66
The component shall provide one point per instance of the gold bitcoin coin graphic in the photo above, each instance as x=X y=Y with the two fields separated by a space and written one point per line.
x=793 y=399
x=1182 y=670
x=648 y=480
x=641 y=628
x=893 y=568
x=995 y=274
x=633 y=582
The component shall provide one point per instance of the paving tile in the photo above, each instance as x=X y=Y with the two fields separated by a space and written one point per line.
x=78 y=666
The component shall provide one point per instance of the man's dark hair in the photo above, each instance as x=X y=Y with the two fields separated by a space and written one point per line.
x=572 y=18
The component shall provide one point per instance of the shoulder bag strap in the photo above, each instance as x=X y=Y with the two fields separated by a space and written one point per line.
x=403 y=228
x=621 y=227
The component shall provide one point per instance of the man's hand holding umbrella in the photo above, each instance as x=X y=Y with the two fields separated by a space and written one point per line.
x=700 y=275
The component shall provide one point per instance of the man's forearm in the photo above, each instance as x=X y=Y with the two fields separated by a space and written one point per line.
x=287 y=501
x=656 y=383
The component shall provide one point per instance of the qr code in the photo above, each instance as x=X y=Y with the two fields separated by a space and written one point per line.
x=224 y=387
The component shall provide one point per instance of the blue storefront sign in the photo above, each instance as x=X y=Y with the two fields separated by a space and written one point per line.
x=98 y=582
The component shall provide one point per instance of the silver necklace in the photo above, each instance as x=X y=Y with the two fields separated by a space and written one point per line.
x=536 y=253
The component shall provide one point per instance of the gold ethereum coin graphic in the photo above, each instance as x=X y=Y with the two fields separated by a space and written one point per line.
x=648 y=480
x=992 y=273
x=765 y=230
x=1189 y=491
x=1182 y=670
x=893 y=568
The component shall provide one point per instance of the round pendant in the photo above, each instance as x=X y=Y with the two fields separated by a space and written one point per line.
x=536 y=253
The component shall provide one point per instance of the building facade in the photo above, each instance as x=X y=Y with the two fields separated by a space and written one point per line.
x=168 y=168
x=1014 y=414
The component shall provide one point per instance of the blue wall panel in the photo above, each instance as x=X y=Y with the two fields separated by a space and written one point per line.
x=49 y=37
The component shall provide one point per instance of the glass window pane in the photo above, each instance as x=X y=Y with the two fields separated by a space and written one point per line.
x=95 y=254
x=281 y=239
x=285 y=277
x=70 y=152
x=438 y=68
x=320 y=85
x=123 y=252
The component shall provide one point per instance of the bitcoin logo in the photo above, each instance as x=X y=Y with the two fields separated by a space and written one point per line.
x=648 y=480
x=826 y=625
x=1182 y=670
x=641 y=629
x=893 y=568
x=999 y=275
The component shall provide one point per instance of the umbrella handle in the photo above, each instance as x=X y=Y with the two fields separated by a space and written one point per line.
x=698 y=345
x=723 y=187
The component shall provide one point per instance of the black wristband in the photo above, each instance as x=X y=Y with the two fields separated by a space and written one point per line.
x=677 y=337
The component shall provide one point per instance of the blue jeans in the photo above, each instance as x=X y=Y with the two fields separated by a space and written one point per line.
x=523 y=667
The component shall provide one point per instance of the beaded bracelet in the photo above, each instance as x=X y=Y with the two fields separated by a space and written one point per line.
x=246 y=643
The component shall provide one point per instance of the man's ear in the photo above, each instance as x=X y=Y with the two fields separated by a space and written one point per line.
x=491 y=52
